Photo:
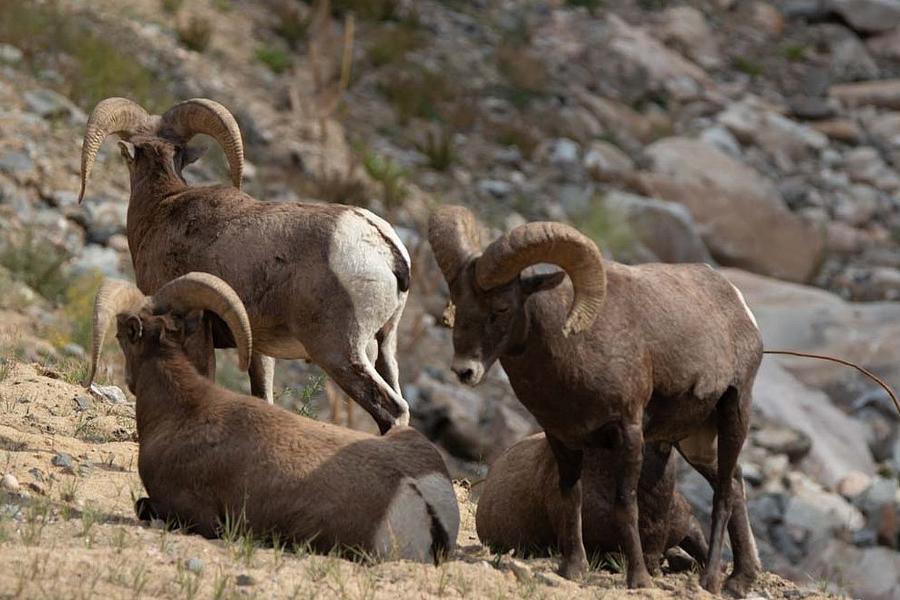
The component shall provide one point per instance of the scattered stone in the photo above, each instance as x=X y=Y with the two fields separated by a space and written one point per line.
x=97 y=259
x=37 y=474
x=10 y=54
x=818 y=511
x=9 y=483
x=552 y=579
x=563 y=151
x=84 y=403
x=194 y=565
x=244 y=580
x=604 y=161
x=685 y=28
x=16 y=163
x=109 y=393
x=49 y=104
x=783 y=440
x=853 y=484
x=722 y=139
x=495 y=188
x=63 y=460
x=811 y=108
x=868 y=16
x=840 y=129
x=158 y=524
x=521 y=570
x=884 y=93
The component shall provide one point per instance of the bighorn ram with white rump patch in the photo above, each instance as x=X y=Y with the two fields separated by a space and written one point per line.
x=521 y=506
x=207 y=454
x=320 y=281
x=618 y=356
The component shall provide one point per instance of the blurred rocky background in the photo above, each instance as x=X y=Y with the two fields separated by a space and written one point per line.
x=759 y=136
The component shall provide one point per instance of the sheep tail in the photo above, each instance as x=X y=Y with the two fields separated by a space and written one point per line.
x=863 y=370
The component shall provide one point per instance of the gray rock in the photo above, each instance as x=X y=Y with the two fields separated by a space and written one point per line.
x=662 y=231
x=104 y=220
x=605 y=161
x=685 y=28
x=10 y=54
x=850 y=61
x=16 y=163
x=722 y=139
x=872 y=573
x=97 y=259
x=84 y=403
x=495 y=188
x=868 y=16
x=783 y=440
x=194 y=565
x=811 y=108
x=9 y=483
x=880 y=503
x=563 y=151
x=819 y=512
x=743 y=219
x=109 y=393
x=49 y=104
x=63 y=460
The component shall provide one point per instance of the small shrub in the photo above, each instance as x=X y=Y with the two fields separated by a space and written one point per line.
x=392 y=44
x=794 y=52
x=291 y=26
x=748 y=66
x=38 y=264
x=390 y=175
x=77 y=311
x=438 y=147
x=276 y=59
x=171 y=6
x=417 y=92
x=195 y=34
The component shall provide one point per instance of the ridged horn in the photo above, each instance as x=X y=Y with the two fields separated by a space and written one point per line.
x=113 y=115
x=455 y=238
x=205 y=291
x=202 y=115
x=115 y=296
x=553 y=243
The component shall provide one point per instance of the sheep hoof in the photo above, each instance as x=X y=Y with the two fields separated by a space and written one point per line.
x=739 y=584
x=639 y=578
x=711 y=581
x=143 y=508
x=573 y=570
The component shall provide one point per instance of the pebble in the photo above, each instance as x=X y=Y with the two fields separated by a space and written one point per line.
x=10 y=54
x=63 y=460
x=110 y=393
x=244 y=580
x=520 y=570
x=853 y=484
x=84 y=403
x=9 y=483
x=16 y=162
x=194 y=565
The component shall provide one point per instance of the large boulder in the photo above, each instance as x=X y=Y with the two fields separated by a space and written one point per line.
x=838 y=442
x=796 y=317
x=742 y=217
x=868 y=16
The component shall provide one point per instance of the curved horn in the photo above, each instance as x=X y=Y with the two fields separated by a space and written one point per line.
x=113 y=115
x=205 y=291
x=553 y=243
x=455 y=238
x=115 y=296
x=201 y=115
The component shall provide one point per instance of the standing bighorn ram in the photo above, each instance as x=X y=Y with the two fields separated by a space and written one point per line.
x=320 y=281
x=617 y=356
x=521 y=507
x=208 y=454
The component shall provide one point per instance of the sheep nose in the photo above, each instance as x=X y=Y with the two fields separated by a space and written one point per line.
x=465 y=374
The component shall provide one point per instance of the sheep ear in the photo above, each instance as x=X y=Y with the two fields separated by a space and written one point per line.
x=127 y=149
x=134 y=328
x=192 y=322
x=192 y=154
x=540 y=283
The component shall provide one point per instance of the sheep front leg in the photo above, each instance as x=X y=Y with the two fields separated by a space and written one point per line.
x=629 y=458
x=574 y=562
x=262 y=377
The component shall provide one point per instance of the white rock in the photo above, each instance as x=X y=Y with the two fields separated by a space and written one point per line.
x=9 y=483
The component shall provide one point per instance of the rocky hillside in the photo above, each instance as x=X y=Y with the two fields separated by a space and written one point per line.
x=759 y=136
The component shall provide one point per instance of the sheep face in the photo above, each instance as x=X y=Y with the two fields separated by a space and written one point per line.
x=144 y=337
x=489 y=324
x=148 y=156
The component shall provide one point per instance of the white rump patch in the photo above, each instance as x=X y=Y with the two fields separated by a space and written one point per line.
x=744 y=302
x=405 y=531
x=386 y=230
x=438 y=492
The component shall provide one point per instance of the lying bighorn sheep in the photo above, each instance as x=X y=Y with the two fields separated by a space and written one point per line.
x=520 y=504
x=620 y=355
x=207 y=453
x=320 y=281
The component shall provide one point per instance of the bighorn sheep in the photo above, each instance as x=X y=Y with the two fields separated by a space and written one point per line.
x=520 y=505
x=320 y=281
x=618 y=355
x=207 y=453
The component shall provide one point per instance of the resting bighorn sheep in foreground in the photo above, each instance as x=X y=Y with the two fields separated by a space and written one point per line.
x=207 y=454
x=618 y=356
x=520 y=505
x=320 y=281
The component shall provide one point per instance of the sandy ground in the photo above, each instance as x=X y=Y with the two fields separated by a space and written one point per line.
x=70 y=532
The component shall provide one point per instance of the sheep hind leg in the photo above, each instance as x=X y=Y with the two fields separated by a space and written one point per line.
x=386 y=363
x=356 y=375
x=262 y=377
x=574 y=564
